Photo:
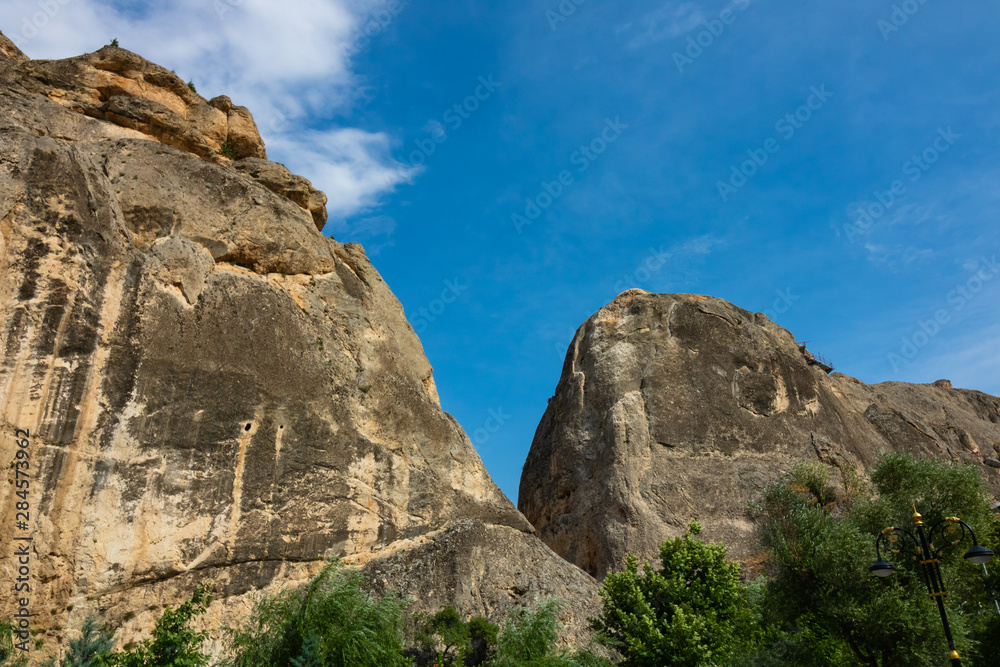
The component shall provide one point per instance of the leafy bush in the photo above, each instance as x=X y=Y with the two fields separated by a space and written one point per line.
x=173 y=642
x=690 y=612
x=114 y=42
x=331 y=622
x=191 y=87
x=446 y=640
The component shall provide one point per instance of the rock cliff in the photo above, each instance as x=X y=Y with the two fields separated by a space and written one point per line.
x=677 y=407
x=213 y=389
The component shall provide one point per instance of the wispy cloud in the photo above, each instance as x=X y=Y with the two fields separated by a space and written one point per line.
x=285 y=61
x=671 y=20
x=895 y=255
x=699 y=245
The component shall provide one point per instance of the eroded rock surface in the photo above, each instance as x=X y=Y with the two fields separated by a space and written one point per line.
x=679 y=407
x=486 y=568
x=213 y=388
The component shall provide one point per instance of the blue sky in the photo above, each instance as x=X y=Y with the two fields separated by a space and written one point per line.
x=618 y=123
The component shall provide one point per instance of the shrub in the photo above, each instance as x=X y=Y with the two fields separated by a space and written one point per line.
x=691 y=611
x=173 y=642
x=448 y=640
x=528 y=639
x=333 y=622
x=228 y=149
x=191 y=86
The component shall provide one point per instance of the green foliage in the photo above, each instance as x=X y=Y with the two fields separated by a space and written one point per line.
x=804 y=644
x=528 y=639
x=10 y=656
x=191 y=86
x=173 y=643
x=820 y=550
x=114 y=42
x=228 y=149
x=310 y=654
x=453 y=641
x=333 y=622
x=93 y=648
x=690 y=612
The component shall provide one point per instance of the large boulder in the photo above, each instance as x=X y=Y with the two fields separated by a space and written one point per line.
x=673 y=407
x=213 y=389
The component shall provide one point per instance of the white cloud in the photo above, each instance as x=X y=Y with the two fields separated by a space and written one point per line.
x=284 y=61
x=354 y=167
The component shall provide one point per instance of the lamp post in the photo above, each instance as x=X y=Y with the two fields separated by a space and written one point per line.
x=952 y=531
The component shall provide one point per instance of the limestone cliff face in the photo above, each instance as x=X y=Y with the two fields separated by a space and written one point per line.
x=679 y=407
x=213 y=388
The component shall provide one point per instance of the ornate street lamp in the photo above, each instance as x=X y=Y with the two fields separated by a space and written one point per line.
x=952 y=531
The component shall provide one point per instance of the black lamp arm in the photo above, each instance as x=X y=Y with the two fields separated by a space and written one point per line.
x=951 y=520
x=888 y=531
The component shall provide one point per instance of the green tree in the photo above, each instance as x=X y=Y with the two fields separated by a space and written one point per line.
x=333 y=621
x=691 y=611
x=93 y=648
x=173 y=642
x=820 y=546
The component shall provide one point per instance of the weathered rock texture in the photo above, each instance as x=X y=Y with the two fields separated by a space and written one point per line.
x=213 y=388
x=679 y=407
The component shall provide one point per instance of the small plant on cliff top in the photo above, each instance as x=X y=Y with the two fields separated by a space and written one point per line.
x=114 y=42
x=228 y=149
x=191 y=86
